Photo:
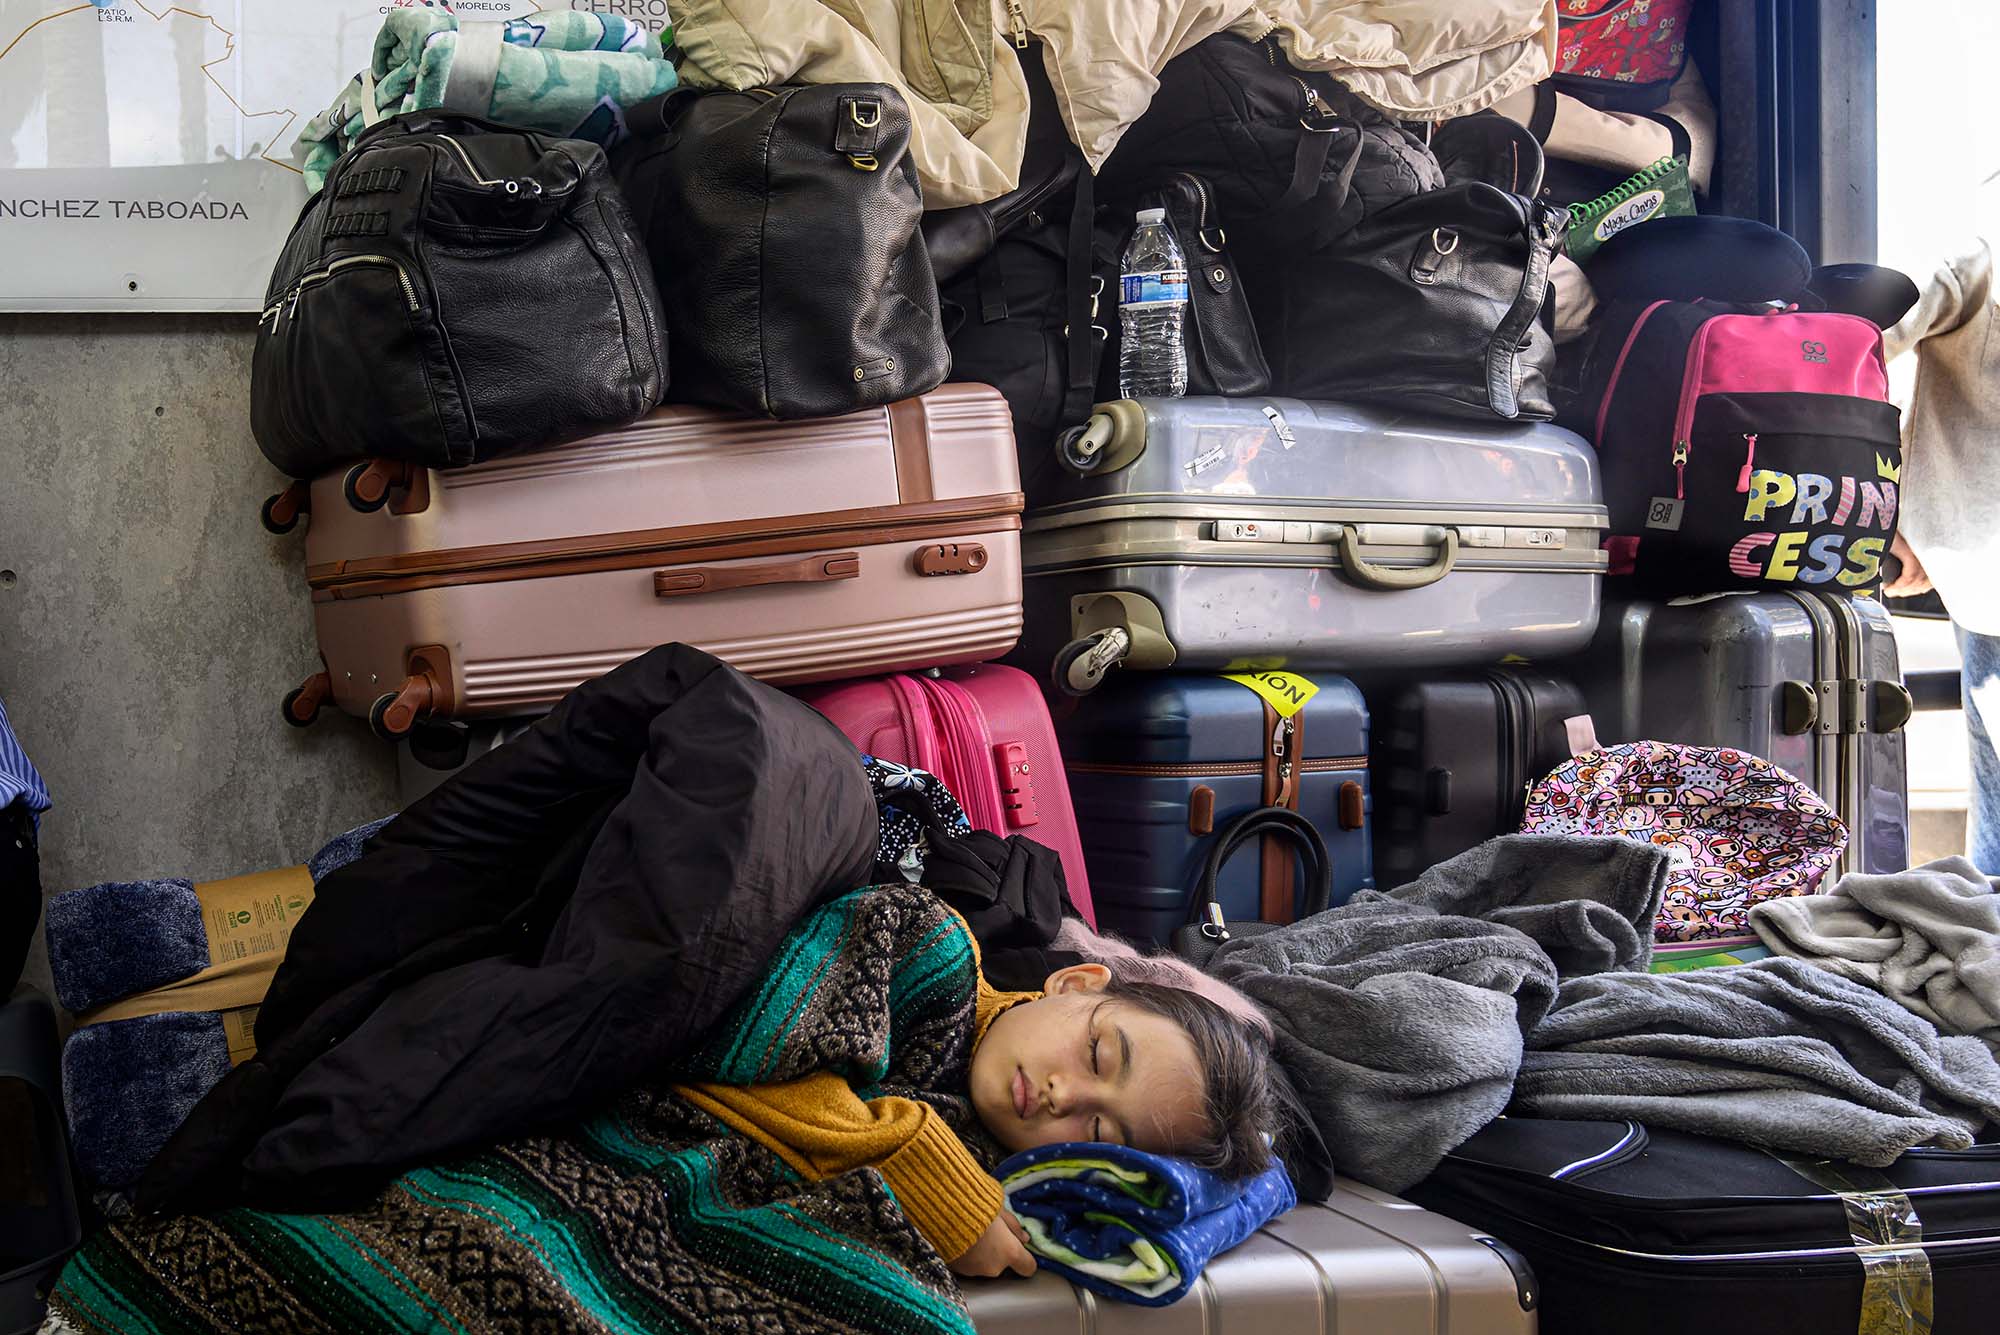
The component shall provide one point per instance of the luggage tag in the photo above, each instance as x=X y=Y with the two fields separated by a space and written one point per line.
x=1581 y=732
x=1286 y=692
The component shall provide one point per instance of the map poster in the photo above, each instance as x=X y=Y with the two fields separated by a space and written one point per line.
x=146 y=145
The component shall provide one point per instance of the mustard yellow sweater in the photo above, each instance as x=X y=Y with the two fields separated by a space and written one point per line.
x=821 y=1127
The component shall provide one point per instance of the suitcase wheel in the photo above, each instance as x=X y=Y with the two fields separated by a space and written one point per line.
x=281 y=512
x=303 y=701
x=365 y=488
x=1081 y=665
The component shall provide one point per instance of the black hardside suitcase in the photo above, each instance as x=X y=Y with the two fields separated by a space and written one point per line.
x=1638 y=1231
x=1454 y=758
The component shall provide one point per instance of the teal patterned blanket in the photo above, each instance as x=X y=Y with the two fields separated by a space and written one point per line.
x=564 y=72
x=651 y=1216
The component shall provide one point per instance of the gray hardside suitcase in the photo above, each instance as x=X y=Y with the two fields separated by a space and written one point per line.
x=1220 y=534
x=1364 y=1262
x=1809 y=681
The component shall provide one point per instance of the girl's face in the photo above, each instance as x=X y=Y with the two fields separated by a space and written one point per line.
x=1072 y=1066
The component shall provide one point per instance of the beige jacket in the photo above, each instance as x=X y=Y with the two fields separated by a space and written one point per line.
x=1951 y=435
x=953 y=60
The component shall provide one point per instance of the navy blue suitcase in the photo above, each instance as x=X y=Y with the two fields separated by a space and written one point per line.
x=1158 y=762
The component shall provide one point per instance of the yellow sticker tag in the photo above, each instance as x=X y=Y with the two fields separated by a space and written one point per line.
x=1286 y=692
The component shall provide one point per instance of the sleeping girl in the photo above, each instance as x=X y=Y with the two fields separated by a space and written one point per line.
x=821 y=1163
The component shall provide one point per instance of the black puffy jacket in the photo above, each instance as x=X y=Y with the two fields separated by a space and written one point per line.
x=570 y=911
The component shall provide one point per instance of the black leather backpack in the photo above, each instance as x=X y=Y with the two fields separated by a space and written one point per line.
x=783 y=229
x=458 y=290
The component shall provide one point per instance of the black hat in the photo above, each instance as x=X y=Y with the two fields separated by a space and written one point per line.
x=1688 y=258
x=1869 y=290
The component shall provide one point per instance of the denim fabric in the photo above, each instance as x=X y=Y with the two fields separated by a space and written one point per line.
x=1980 y=656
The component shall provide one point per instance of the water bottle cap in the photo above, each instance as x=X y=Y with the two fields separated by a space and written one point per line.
x=1152 y=216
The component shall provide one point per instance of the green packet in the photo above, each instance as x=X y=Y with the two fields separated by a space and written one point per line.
x=1659 y=191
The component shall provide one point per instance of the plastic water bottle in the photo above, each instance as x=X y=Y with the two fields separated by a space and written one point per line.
x=1152 y=305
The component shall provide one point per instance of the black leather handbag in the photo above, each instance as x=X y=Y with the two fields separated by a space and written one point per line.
x=1271 y=141
x=783 y=227
x=1205 y=931
x=1433 y=305
x=457 y=290
x=1223 y=352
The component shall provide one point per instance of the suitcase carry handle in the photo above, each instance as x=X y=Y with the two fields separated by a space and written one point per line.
x=1283 y=823
x=1205 y=931
x=682 y=582
x=1371 y=576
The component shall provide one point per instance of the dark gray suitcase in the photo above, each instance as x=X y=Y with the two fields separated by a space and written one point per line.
x=1210 y=534
x=1364 y=1263
x=1454 y=758
x=1809 y=681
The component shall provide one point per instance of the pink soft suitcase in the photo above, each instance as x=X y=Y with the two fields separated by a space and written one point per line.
x=985 y=731
x=798 y=551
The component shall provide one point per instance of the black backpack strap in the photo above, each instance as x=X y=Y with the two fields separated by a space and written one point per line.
x=1309 y=160
x=1082 y=355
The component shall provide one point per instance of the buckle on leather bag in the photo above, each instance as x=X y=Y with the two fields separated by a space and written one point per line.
x=863 y=161
x=873 y=116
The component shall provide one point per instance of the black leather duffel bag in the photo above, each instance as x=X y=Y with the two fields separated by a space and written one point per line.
x=458 y=290
x=1433 y=304
x=783 y=228
x=1272 y=143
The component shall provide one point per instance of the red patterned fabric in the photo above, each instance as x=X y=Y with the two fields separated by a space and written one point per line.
x=1622 y=41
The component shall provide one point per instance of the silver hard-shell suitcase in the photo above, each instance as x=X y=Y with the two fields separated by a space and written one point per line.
x=1363 y=1262
x=1218 y=534
x=1809 y=681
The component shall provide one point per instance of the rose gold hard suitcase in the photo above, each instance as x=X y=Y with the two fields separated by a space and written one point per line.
x=798 y=551
x=1365 y=1263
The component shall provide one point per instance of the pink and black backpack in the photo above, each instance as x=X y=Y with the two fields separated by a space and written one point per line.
x=1743 y=447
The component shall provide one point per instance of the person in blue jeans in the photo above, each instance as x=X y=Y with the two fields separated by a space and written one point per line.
x=1949 y=530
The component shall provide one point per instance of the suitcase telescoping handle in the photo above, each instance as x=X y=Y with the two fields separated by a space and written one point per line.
x=821 y=569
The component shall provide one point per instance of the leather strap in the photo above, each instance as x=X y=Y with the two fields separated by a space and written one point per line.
x=1543 y=118
x=1082 y=222
x=475 y=66
x=1683 y=145
x=1308 y=160
x=909 y=441
x=1287 y=825
x=1541 y=228
x=992 y=281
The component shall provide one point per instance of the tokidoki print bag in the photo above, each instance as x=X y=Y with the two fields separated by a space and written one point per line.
x=1743 y=447
x=1737 y=829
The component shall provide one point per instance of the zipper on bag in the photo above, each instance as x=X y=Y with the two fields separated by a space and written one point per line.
x=285 y=306
x=1227 y=769
x=1282 y=738
x=1684 y=410
x=967 y=762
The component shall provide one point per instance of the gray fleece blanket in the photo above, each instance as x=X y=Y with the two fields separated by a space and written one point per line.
x=1513 y=976
x=1927 y=938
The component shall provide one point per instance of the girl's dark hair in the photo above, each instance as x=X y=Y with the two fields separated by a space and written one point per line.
x=1239 y=1105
